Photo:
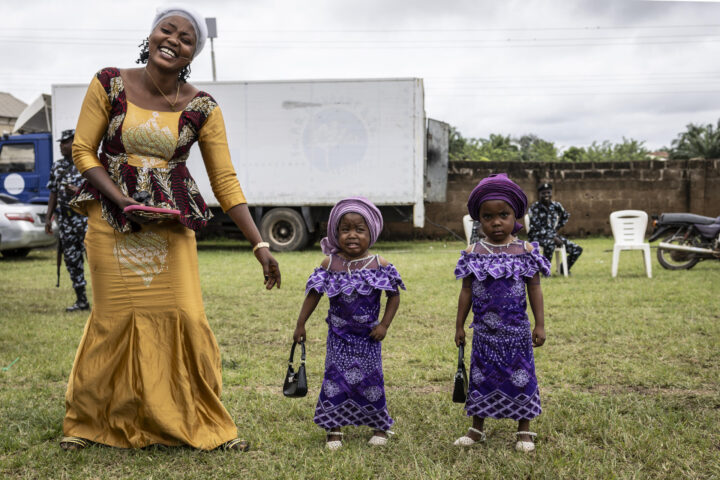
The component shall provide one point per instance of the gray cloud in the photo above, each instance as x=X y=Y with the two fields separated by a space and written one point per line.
x=559 y=69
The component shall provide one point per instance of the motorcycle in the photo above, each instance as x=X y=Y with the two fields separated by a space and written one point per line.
x=688 y=239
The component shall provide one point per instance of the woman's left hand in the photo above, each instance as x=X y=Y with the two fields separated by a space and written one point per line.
x=271 y=269
x=538 y=336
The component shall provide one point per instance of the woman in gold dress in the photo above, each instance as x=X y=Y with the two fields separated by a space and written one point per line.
x=147 y=370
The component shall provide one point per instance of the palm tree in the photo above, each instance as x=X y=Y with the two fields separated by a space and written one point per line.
x=699 y=141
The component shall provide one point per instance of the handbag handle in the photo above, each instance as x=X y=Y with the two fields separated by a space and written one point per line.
x=461 y=355
x=302 y=353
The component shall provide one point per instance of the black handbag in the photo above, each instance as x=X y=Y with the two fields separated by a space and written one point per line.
x=461 y=380
x=295 y=384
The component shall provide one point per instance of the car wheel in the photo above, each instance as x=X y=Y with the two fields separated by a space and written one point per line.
x=16 y=252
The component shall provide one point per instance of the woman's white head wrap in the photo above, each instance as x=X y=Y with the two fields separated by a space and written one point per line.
x=197 y=21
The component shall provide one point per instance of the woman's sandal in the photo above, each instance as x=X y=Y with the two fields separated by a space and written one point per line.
x=74 y=443
x=466 y=441
x=333 y=444
x=235 y=444
x=379 y=441
x=525 y=447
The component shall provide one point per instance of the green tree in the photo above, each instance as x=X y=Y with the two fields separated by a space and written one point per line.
x=498 y=148
x=463 y=149
x=630 y=150
x=598 y=152
x=456 y=142
x=535 y=149
x=698 y=141
x=573 y=154
x=531 y=148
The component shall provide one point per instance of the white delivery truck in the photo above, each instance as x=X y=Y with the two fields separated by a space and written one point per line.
x=300 y=146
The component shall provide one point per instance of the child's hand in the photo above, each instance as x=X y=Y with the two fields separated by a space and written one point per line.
x=460 y=336
x=538 y=336
x=378 y=333
x=299 y=334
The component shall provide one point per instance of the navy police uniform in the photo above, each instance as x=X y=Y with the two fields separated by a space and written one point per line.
x=71 y=225
x=545 y=221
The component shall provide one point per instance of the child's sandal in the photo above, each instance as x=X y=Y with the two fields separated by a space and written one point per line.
x=523 y=446
x=379 y=441
x=466 y=441
x=235 y=444
x=74 y=443
x=333 y=444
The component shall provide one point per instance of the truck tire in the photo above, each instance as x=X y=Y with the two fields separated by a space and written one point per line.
x=284 y=229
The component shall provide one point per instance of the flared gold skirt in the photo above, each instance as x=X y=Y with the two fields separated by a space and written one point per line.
x=147 y=370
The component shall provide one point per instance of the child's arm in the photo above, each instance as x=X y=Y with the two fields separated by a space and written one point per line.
x=391 y=307
x=538 y=310
x=464 y=304
x=308 y=307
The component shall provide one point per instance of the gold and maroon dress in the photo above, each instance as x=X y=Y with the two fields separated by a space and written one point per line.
x=147 y=370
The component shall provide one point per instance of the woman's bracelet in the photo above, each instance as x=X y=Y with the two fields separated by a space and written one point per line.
x=261 y=245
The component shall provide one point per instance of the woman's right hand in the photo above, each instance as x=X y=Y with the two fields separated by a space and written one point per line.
x=459 y=337
x=271 y=269
x=299 y=334
x=125 y=201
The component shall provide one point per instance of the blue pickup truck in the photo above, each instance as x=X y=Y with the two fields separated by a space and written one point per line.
x=25 y=162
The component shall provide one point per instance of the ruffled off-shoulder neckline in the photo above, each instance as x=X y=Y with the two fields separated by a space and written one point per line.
x=502 y=265
x=363 y=281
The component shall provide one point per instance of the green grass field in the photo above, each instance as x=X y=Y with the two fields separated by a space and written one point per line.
x=629 y=376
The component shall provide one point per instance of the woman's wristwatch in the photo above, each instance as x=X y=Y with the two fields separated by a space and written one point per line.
x=260 y=245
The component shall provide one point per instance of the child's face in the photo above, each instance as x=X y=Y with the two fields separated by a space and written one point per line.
x=353 y=235
x=497 y=220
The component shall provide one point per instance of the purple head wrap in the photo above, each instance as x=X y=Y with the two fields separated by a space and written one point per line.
x=360 y=205
x=498 y=187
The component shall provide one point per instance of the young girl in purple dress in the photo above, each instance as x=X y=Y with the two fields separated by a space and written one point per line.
x=495 y=273
x=353 y=390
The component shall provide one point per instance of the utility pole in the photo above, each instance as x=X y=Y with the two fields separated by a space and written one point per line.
x=212 y=33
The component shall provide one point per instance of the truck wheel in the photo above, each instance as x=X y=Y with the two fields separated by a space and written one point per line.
x=284 y=229
x=16 y=253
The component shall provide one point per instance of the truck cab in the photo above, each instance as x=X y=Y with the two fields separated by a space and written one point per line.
x=25 y=162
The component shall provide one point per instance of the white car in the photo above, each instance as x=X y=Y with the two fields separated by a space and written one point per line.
x=22 y=227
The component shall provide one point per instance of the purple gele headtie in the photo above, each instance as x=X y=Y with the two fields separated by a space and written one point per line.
x=498 y=187
x=361 y=205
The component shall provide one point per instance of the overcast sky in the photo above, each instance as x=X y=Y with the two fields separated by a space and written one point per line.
x=571 y=72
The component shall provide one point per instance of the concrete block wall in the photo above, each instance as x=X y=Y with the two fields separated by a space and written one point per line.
x=589 y=191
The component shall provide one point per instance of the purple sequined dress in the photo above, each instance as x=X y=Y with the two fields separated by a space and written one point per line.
x=353 y=388
x=502 y=381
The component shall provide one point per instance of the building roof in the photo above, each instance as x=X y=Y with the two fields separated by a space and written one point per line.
x=10 y=106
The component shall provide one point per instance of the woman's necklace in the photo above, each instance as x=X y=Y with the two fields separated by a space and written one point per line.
x=177 y=94
x=503 y=245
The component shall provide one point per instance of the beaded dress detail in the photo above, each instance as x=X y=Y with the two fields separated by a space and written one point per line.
x=502 y=381
x=353 y=388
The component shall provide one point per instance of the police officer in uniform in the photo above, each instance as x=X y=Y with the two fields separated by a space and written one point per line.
x=64 y=182
x=546 y=218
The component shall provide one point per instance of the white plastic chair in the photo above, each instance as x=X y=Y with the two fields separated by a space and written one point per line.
x=628 y=228
x=560 y=252
x=467 y=225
